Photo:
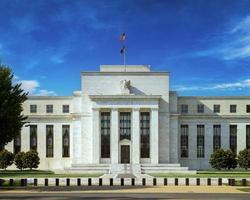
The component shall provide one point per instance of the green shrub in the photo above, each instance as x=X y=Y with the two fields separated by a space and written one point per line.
x=244 y=159
x=31 y=159
x=19 y=160
x=6 y=159
x=230 y=160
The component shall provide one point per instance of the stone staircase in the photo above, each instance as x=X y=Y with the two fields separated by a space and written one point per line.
x=88 y=168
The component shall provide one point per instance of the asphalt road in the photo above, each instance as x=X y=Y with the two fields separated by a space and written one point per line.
x=120 y=196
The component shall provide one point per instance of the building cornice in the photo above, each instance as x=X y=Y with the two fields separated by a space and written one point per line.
x=125 y=96
x=91 y=73
x=215 y=116
x=214 y=97
x=49 y=97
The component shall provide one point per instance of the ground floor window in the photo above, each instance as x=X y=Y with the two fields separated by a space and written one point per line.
x=49 y=141
x=233 y=138
x=17 y=144
x=216 y=137
x=105 y=134
x=200 y=141
x=184 y=141
x=145 y=134
x=65 y=141
x=33 y=137
x=248 y=136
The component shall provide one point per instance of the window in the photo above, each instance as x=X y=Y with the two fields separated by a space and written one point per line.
x=200 y=108
x=49 y=108
x=200 y=141
x=65 y=108
x=105 y=134
x=49 y=141
x=216 y=108
x=184 y=108
x=33 y=137
x=65 y=141
x=145 y=134
x=33 y=108
x=125 y=125
x=232 y=108
x=248 y=108
x=233 y=138
x=184 y=141
x=248 y=136
x=216 y=137
x=17 y=144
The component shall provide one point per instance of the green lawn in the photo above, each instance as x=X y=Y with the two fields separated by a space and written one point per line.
x=40 y=174
x=209 y=174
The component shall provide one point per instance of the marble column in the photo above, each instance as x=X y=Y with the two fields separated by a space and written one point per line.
x=114 y=136
x=135 y=136
x=154 y=136
x=96 y=135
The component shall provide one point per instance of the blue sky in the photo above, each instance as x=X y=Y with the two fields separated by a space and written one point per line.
x=205 y=45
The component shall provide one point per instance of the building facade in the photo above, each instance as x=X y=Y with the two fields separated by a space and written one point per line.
x=126 y=119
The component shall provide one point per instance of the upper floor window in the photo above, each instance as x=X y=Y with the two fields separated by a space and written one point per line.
x=216 y=108
x=233 y=108
x=248 y=108
x=125 y=125
x=49 y=108
x=200 y=141
x=33 y=108
x=184 y=108
x=200 y=108
x=65 y=108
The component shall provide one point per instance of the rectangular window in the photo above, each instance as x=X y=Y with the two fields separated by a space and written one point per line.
x=200 y=108
x=233 y=138
x=248 y=136
x=233 y=108
x=33 y=108
x=17 y=144
x=33 y=137
x=248 y=108
x=145 y=134
x=184 y=108
x=200 y=141
x=216 y=108
x=216 y=137
x=65 y=108
x=49 y=108
x=65 y=140
x=49 y=141
x=105 y=134
x=184 y=141
x=125 y=125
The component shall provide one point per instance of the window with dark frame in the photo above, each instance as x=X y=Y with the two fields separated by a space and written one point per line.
x=65 y=108
x=33 y=108
x=200 y=108
x=248 y=108
x=184 y=108
x=17 y=144
x=216 y=137
x=233 y=108
x=49 y=141
x=248 y=136
x=65 y=140
x=216 y=108
x=233 y=138
x=49 y=108
x=33 y=137
x=184 y=141
x=200 y=141
x=125 y=125
x=105 y=134
x=145 y=134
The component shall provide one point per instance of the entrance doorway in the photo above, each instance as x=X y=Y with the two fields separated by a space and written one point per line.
x=125 y=154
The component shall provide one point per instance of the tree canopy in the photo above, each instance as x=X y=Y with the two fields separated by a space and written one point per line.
x=12 y=97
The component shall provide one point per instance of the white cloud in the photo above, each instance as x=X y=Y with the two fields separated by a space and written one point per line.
x=45 y=93
x=29 y=85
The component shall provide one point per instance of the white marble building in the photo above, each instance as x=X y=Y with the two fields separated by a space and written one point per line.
x=126 y=119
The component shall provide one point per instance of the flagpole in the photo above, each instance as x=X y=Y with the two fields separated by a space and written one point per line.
x=124 y=59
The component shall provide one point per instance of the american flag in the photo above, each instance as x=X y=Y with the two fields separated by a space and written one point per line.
x=122 y=37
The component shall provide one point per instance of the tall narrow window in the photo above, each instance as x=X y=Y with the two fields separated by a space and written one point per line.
x=248 y=136
x=184 y=141
x=17 y=144
x=216 y=137
x=145 y=134
x=200 y=141
x=49 y=141
x=233 y=138
x=105 y=134
x=65 y=141
x=125 y=125
x=33 y=137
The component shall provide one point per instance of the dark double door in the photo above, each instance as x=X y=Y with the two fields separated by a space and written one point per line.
x=125 y=154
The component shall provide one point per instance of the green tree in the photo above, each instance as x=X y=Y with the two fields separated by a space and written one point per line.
x=19 y=158
x=230 y=160
x=217 y=159
x=6 y=159
x=11 y=100
x=31 y=159
x=244 y=159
